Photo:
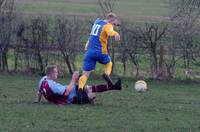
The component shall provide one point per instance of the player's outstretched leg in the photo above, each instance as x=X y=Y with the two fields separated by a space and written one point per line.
x=105 y=87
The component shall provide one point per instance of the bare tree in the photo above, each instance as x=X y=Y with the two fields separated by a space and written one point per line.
x=184 y=7
x=185 y=37
x=123 y=56
x=18 y=30
x=23 y=44
x=106 y=6
x=2 y=4
x=132 y=46
x=39 y=38
x=186 y=29
x=6 y=18
x=68 y=35
x=34 y=38
x=171 y=53
x=152 y=35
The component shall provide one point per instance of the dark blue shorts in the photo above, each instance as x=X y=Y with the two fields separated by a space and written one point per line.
x=80 y=98
x=91 y=57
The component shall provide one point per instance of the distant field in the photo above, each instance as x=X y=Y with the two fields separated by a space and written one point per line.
x=133 y=9
x=166 y=107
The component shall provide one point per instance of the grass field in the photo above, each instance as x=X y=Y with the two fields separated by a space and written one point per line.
x=138 y=10
x=166 y=107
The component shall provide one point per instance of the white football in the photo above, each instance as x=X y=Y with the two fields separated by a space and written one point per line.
x=140 y=86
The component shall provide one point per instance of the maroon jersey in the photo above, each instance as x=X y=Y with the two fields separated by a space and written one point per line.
x=46 y=91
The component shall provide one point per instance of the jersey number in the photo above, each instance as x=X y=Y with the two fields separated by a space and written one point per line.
x=95 y=29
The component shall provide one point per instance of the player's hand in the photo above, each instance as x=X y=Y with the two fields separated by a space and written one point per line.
x=75 y=75
x=117 y=37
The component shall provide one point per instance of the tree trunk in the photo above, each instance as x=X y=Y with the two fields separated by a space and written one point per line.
x=170 y=71
x=0 y=62
x=124 y=67
x=74 y=66
x=16 y=60
x=40 y=61
x=68 y=65
x=113 y=59
x=135 y=62
x=5 y=61
x=154 y=63
x=160 y=70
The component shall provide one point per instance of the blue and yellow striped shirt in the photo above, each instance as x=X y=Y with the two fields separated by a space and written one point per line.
x=98 y=40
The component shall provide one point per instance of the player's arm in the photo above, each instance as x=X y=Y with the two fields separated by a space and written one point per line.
x=60 y=89
x=111 y=32
x=72 y=83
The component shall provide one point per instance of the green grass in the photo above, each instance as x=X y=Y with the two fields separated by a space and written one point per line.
x=165 y=107
x=138 y=10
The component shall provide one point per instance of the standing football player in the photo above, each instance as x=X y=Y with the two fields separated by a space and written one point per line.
x=97 y=48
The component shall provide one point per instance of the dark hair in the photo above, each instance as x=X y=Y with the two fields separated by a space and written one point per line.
x=49 y=69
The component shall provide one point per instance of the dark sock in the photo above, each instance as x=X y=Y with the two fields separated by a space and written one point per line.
x=117 y=86
x=100 y=88
x=80 y=96
x=108 y=80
